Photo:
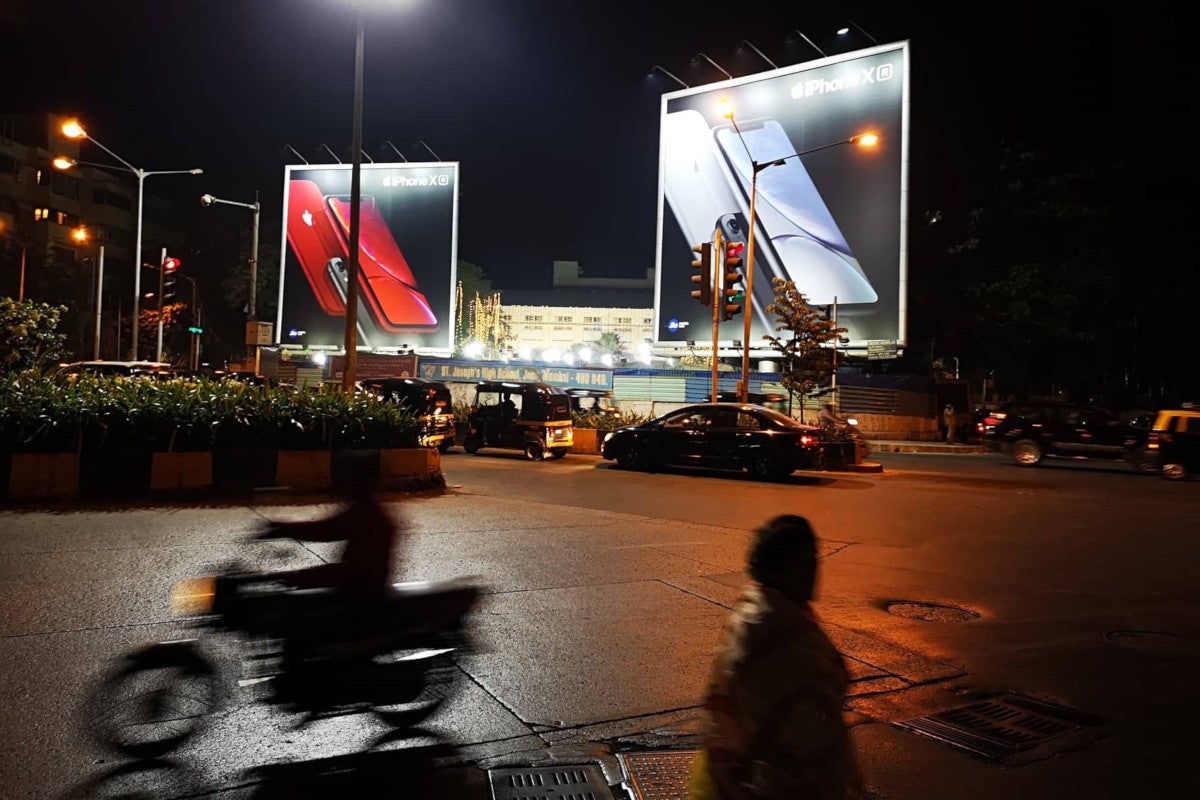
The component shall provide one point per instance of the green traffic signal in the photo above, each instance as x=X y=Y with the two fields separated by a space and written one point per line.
x=195 y=329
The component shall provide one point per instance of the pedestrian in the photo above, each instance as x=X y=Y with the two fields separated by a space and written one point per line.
x=950 y=418
x=772 y=727
x=828 y=417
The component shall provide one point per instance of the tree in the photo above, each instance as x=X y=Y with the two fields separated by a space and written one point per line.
x=610 y=342
x=235 y=286
x=807 y=358
x=29 y=336
x=173 y=317
x=473 y=284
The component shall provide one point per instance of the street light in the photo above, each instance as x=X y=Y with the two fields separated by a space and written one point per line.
x=726 y=110
x=81 y=235
x=760 y=53
x=207 y=200
x=715 y=64
x=72 y=129
x=670 y=75
x=859 y=28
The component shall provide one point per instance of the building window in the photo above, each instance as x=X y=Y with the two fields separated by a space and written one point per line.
x=8 y=205
x=110 y=198
x=9 y=164
x=64 y=185
x=40 y=214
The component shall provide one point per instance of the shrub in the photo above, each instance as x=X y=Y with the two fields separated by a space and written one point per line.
x=90 y=413
x=606 y=422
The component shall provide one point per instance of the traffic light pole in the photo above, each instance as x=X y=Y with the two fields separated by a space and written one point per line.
x=744 y=383
x=161 y=262
x=718 y=301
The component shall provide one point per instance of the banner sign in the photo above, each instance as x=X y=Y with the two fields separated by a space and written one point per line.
x=408 y=225
x=472 y=372
x=830 y=214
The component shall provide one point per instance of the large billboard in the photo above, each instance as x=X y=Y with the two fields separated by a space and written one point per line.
x=832 y=219
x=408 y=229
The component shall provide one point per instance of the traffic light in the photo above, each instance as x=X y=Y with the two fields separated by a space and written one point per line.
x=169 y=267
x=730 y=276
x=704 y=263
x=195 y=329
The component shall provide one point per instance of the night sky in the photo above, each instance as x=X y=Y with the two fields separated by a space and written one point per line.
x=548 y=104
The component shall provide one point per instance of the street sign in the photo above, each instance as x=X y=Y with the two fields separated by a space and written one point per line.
x=878 y=351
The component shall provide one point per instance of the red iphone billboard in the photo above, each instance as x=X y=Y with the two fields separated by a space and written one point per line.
x=408 y=226
x=829 y=217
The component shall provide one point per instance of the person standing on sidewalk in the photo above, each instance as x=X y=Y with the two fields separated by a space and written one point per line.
x=951 y=419
x=772 y=727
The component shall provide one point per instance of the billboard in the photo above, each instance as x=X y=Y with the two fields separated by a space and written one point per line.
x=830 y=218
x=408 y=244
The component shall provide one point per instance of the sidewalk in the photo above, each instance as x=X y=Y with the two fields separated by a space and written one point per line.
x=887 y=446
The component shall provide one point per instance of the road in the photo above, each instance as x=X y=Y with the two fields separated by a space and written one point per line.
x=607 y=591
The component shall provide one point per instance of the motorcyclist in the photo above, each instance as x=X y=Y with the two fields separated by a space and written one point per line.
x=364 y=570
x=829 y=417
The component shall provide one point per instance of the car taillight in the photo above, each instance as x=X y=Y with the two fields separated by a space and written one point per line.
x=805 y=440
x=992 y=420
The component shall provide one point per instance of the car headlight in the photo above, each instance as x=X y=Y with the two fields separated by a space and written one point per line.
x=608 y=437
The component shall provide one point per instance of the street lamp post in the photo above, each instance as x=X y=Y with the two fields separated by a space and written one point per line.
x=350 y=367
x=73 y=130
x=864 y=139
x=256 y=207
x=81 y=236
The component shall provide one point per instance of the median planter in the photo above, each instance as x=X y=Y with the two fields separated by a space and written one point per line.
x=181 y=471
x=588 y=441
x=420 y=468
x=304 y=470
x=115 y=471
x=243 y=470
x=838 y=455
x=42 y=476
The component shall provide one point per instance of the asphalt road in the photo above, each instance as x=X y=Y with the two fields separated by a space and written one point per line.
x=607 y=591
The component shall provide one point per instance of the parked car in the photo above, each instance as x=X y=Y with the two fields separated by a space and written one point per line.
x=148 y=369
x=1033 y=430
x=1174 y=442
x=523 y=415
x=592 y=401
x=767 y=444
x=772 y=400
x=430 y=399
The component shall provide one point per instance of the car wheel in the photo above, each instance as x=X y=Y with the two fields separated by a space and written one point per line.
x=1174 y=471
x=764 y=468
x=1027 y=453
x=1144 y=462
x=444 y=445
x=558 y=452
x=471 y=443
x=631 y=458
x=534 y=451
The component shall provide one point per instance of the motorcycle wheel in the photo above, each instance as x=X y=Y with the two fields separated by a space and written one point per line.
x=154 y=700
x=444 y=445
x=440 y=677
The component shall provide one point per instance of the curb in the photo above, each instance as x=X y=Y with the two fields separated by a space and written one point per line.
x=925 y=447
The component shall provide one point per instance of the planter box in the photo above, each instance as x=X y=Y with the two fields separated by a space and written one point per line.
x=181 y=471
x=34 y=476
x=116 y=472
x=838 y=455
x=243 y=470
x=410 y=469
x=588 y=441
x=304 y=470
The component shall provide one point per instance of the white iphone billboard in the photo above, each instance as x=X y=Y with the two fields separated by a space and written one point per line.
x=830 y=214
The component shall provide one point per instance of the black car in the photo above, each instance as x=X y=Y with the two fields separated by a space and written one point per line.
x=718 y=435
x=1034 y=430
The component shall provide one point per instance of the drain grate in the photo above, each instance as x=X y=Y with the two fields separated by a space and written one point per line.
x=1000 y=726
x=658 y=774
x=931 y=612
x=573 y=782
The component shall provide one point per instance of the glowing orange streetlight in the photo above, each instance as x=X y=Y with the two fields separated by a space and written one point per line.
x=725 y=109
x=81 y=234
x=72 y=129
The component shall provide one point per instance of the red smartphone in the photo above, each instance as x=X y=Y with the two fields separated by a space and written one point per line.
x=388 y=285
x=314 y=240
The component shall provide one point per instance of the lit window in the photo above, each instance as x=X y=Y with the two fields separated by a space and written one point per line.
x=40 y=214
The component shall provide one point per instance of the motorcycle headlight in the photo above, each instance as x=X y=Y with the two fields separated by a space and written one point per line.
x=194 y=597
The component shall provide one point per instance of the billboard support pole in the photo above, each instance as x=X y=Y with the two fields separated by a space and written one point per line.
x=744 y=383
x=350 y=368
x=716 y=304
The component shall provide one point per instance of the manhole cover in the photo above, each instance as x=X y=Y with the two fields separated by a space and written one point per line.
x=573 y=782
x=931 y=612
x=1000 y=726
x=1163 y=644
x=658 y=774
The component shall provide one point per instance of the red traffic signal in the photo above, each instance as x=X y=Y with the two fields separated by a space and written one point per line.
x=170 y=265
x=729 y=276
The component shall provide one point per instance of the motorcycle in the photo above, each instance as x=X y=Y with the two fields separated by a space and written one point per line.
x=316 y=651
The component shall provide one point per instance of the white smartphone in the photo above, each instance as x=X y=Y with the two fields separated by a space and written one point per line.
x=791 y=215
x=702 y=199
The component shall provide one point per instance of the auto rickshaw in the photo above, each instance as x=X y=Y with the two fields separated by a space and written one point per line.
x=528 y=416
x=591 y=401
x=430 y=399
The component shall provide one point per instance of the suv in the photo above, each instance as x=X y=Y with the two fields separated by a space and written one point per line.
x=1036 y=429
x=1174 y=442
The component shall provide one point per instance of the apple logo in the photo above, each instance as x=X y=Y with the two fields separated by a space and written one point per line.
x=307 y=217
